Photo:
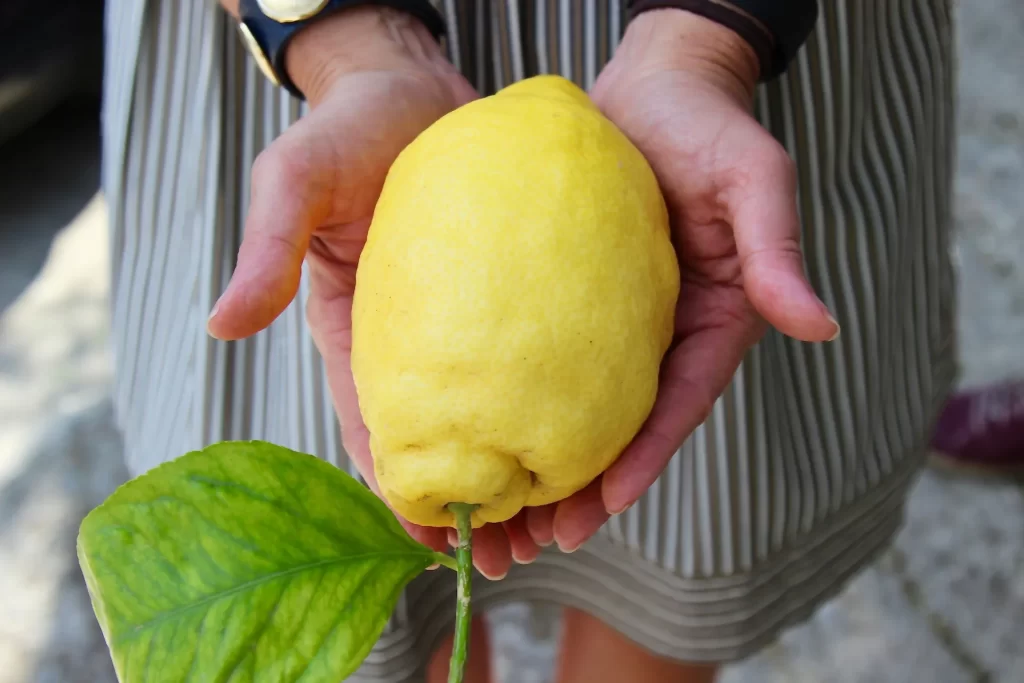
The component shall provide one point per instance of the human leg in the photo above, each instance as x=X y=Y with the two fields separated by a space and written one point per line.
x=478 y=665
x=593 y=652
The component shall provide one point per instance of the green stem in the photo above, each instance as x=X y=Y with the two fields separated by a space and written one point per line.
x=446 y=561
x=464 y=562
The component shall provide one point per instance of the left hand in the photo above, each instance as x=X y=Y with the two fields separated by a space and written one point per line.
x=681 y=88
x=375 y=79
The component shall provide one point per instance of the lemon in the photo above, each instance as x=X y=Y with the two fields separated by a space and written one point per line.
x=513 y=303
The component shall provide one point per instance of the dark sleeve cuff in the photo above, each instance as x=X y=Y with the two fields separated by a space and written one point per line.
x=775 y=29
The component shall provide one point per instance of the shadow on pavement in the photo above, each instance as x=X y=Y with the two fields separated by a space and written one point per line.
x=47 y=176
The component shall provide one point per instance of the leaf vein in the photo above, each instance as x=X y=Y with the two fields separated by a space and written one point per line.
x=255 y=637
x=334 y=625
x=377 y=510
x=298 y=514
x=195 y=651
x=159 y=619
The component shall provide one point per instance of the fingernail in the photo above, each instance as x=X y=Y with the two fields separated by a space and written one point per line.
x=433 y=567
x=214 y=311
x=494 y=578
x=209 y=319
x=615 y=513
x=838 y=328
x=544 y=544
x=521 y=561
x=567 y=549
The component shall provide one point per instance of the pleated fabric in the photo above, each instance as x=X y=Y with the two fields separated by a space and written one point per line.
x=799 y=475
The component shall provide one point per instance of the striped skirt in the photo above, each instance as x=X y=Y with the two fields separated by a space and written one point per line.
x=799 y=475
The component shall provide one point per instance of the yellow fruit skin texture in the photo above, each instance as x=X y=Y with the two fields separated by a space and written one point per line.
x=513 y=304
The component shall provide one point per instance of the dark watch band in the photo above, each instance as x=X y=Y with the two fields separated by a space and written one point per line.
x=272 y=36
x=775 y=29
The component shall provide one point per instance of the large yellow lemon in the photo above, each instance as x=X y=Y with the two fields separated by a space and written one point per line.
x=513 y=304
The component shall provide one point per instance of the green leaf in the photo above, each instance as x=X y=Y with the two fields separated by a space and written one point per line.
x=244 y=562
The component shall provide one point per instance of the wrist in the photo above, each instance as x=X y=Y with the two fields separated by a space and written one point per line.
x=678 y=40
x=357 y=39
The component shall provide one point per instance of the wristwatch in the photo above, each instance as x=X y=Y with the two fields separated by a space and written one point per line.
x=267 y=26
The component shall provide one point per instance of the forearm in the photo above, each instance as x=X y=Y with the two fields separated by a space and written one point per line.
x=773 y=29
x=670 y=40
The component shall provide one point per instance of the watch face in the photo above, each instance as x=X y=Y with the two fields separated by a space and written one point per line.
x=257 y=54
x=285 y=11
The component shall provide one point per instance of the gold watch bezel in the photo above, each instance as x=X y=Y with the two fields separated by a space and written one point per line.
x=258 y=55
x=290 y=11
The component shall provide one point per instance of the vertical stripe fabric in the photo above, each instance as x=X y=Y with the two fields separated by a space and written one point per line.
x=799 y=475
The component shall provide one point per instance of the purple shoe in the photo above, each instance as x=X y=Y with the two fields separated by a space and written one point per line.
x=983 y=428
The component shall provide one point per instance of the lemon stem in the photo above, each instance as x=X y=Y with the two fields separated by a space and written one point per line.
x=464 y=566
x=447 y=561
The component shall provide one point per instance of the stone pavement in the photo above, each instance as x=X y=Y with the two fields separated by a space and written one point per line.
x=945 y=605
x=59 y=455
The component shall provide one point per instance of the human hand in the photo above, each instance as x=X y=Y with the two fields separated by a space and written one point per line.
x=375 y=79
x=681 y=87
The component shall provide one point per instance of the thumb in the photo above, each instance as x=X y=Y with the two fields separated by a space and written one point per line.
x=766 y=227
x=291 y=196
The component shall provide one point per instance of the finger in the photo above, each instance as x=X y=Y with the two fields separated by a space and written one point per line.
x=693 y=376
x=290 y=197
x=331 y=328
x=432 y=537
x=355 y=436
x=356 y=441
x=336 y=342
x=335 y=338
x=492 y=554
x=524 y=550
x=330 y=324
x=579 y=517
x=357 y=446
x=766 y=227
x=540 y=523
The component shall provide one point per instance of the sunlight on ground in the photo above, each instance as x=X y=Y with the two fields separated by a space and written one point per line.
x=53 y=340
x=54 y=363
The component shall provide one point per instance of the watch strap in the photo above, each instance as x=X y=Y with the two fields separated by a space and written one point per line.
x=271 y=36
x=775 y=29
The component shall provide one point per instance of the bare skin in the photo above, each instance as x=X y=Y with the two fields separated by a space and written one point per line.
x=609 y=656
x=590 y=652
x=478 y=666
x=680 y=87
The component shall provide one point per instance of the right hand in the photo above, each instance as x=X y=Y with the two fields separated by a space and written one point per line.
x=681 y=87
x=375 y=79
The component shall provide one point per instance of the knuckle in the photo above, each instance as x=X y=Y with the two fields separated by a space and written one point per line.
x=764 y=165
x=702 y=398
x=264 y=167
x=311 y=315
x=281 y=165
x=775 y=162
x=705 y=405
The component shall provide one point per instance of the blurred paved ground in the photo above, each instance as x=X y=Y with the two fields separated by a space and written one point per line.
x=945 y=606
